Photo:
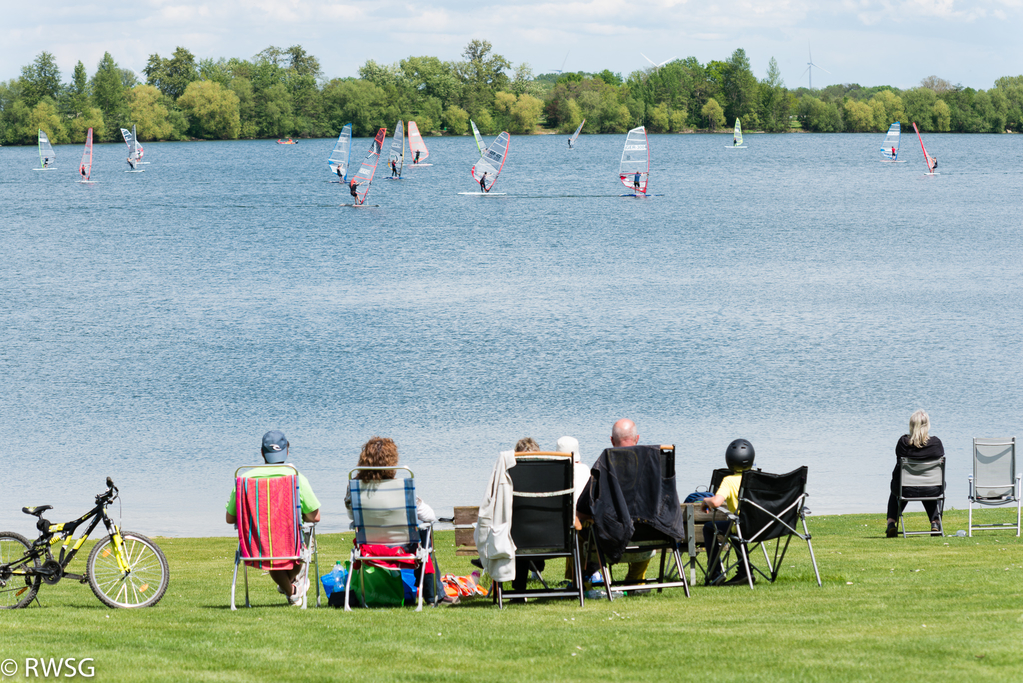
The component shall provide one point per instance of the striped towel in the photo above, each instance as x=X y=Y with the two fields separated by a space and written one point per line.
x=269 y=521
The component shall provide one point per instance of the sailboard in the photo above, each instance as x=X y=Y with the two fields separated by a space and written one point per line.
x=362 y=180
x=890 y=146
x=486 y=171
x=134 y=157
x=416 y=146
x=396 y=159
x=932 y=162
x=575 y=135
x=47 y=157
x=737 y=137
x=634 y=169
x=85 y=168
x=341 y=155
x=479 y=138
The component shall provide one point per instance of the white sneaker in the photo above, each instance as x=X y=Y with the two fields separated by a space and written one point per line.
x=301 y=588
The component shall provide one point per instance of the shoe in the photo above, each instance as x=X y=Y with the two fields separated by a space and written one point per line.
x=713 y=580
x=892 y=531
x=594 y=594
x=935 y=529
x=301 y=588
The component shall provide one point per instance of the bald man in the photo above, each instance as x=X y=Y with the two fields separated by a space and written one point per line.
x=624 y=435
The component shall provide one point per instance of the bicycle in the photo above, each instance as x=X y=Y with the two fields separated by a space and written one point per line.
x=124 y=569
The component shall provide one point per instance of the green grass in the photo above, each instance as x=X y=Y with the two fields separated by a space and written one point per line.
x=948 y=609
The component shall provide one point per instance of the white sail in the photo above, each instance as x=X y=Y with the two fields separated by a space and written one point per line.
x=416 y=145
x=737 y=134
x=575 y=135
x=131 y=139
x=341 y=155
x=634 y=169
x=47 y=157
x=479 y=138
x=488 y=168
x=85 y=168
x=396 y=159
x=362 y=180
x=890 y=146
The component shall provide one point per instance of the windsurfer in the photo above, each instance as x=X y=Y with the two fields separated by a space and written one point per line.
x=340 y=176
x=417 y=156
x=570 y=143
x=894 y=153
x=483 y=182
x=394 y=169
x=934 y=163
x=82 y=171
x=354 y=189
x=635 y=181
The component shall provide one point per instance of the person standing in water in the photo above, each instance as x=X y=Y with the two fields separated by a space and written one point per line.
x=483 y=182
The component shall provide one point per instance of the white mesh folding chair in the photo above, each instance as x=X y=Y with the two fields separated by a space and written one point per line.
x=384 y=514
x=995 y=481
x=929 y=474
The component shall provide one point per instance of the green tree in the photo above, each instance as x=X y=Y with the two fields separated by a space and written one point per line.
x=887 y=107
x=108 y=94
x=456 y=120
x=816 y=116
x=40 y=79
x=714 y=114
x=942 y=117
x=919 y=107
x=859 y=117
x=482 y=75
x=149 y=115
x=774 y=112
x=739 y=86
x=44 y=116
x=79 y=126
x=172 y=75
x=75 y=99
x=212 y=110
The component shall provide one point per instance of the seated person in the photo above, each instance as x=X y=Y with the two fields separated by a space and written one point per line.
x=383 y=452
x=526 y=444
x=920 y=446
x=292 y=583
x=739 y=457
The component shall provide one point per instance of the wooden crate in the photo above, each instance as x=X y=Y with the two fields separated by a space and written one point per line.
x=465 y=524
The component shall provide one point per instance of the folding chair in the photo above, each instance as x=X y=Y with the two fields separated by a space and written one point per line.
x=770 y=506
x=384 y=512
x=543 y=520
x=926 y=474
x=995 y=480
x=625 y=462
x=271 y=534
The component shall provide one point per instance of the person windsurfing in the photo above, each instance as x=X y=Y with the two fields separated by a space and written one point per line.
x=417 y=156
x=894 y=154
x=354 y=189
x=635 y=181
x=82 y=171
x=394 y=169
x=483 y=182
x=570 y=143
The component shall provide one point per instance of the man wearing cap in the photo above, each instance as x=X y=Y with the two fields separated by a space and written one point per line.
x=294 y=582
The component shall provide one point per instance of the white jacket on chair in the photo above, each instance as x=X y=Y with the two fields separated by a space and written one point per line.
x=493 y=526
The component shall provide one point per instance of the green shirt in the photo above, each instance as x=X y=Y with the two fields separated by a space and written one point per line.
x=306 y=496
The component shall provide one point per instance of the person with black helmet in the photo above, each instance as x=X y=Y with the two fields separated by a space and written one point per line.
x=739 y=457
x=292 y=583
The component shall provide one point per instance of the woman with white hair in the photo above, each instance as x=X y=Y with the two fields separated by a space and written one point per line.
x=918 y=445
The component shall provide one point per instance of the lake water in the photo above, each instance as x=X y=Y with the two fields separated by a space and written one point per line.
x=797 y=293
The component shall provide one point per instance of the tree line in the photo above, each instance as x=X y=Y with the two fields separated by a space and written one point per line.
x=283 y=93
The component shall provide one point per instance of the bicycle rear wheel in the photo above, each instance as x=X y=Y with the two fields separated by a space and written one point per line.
x=16 y=590
x=142 y=585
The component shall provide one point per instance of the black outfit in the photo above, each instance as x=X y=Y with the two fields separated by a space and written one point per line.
x=932 y=450
x=634 y=491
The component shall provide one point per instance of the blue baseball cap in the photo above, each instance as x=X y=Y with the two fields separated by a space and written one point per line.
x=275 y=447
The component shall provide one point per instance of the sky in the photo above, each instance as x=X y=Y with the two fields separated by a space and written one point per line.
x=870 y=42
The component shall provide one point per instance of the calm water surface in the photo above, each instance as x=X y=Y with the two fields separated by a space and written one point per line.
x=797 y=293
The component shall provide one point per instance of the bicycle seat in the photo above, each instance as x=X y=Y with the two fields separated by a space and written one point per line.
x=37 y=511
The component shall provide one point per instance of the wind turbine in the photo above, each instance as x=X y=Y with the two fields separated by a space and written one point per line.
x=810 y=66
x=561 y=70
x=657 y=66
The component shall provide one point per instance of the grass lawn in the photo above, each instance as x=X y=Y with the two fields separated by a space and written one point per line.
x=948 y=609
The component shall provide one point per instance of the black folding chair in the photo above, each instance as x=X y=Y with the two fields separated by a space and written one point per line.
x=916 y=478
x=543 y=520
x=645 y=537
x=770 y=507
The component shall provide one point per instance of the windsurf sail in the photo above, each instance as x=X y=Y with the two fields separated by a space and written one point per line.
x=634 y=169
x=133 y=146
x=341 y=155
x=396 y=160
x=890 y=146
x=85 y=168
x=575 y=135
x=928 y=159
x=479 y=138
x=488 y=168
x=416 y=145
x=361 y=180
x=737 y=134
x=46 y=154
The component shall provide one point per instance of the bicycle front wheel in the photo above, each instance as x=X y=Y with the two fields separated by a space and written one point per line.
x=16 y=588
x=142 y=585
